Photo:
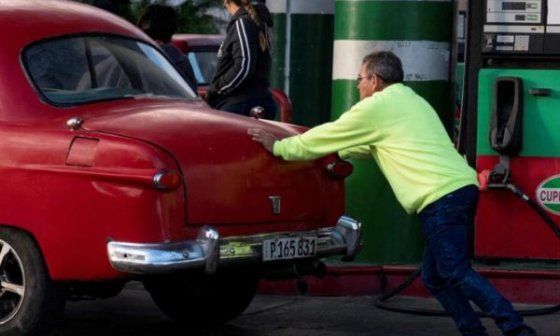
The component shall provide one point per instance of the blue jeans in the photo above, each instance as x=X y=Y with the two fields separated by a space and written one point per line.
x=446 y=269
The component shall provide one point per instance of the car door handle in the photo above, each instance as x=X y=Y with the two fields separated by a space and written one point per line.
x=540 y=92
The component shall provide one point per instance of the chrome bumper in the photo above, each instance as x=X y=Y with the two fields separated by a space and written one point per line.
x=209 y=251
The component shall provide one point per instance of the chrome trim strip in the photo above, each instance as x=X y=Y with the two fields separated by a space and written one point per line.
x=208 y=251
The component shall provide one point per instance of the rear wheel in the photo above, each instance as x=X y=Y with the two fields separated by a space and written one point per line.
x=30 y=303
x=196 y=299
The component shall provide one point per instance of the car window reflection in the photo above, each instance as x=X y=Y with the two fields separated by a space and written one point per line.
x=204 y=64
x=77 y=70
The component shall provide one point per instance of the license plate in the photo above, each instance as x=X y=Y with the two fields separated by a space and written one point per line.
x=289 y=248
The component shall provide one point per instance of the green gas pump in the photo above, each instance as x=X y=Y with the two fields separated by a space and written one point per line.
x=509 y=126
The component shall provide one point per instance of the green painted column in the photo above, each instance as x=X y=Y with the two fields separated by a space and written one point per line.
x=302 y=56
x=419 y=32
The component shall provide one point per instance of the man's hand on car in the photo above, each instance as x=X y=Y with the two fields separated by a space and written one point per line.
x=265 y=138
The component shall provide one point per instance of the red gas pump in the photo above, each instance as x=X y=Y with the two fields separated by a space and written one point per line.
x=509 y=130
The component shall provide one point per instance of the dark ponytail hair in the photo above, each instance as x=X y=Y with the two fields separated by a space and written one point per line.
x=250 y=9
x=252 y=12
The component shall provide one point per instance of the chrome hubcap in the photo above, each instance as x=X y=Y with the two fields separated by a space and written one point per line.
x=12 y=282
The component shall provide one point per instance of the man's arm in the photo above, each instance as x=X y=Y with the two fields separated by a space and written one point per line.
x=353 y=128
x=358 y=152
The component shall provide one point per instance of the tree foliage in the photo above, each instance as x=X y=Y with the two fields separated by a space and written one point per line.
x=120 y=7
x=194 y=17
x=193 y=14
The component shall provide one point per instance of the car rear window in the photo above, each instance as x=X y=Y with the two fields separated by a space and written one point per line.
x=77 y=70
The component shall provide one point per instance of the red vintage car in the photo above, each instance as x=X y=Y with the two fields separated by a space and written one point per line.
x=202 y=52
x=113 y=169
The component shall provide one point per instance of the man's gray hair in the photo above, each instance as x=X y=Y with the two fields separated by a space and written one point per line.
x=385 y=65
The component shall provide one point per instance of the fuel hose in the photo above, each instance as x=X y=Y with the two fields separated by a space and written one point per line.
x=383 y=301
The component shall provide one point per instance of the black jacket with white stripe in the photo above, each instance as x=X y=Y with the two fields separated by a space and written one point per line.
x=244 y=63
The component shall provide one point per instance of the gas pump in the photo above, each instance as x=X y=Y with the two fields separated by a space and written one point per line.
x=509 y=128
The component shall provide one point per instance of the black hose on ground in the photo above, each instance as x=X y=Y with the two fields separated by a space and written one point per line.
x=381 y=302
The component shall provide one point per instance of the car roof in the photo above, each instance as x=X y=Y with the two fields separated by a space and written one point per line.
x=197 y=41
x=32 y=20
x=28 y=21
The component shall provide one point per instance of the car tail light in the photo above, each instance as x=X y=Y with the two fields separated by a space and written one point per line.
x=339 y=169
x=167 y=180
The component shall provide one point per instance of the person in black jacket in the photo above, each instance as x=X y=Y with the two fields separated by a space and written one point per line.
x=160 y=23
x=241 y=80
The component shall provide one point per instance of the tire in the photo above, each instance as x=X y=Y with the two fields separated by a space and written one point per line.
x=30 y=303
x=196 y=299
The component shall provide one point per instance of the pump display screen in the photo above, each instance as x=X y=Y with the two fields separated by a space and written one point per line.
x=514 y=5
x=514 y=26
x=524 y=12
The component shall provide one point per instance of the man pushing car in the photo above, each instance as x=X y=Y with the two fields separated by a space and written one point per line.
x=404 y=135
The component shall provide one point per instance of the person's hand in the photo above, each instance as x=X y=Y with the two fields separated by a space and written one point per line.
x=265 y=138
x=209 y=95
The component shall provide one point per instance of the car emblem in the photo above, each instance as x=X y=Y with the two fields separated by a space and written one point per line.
x=276 y=203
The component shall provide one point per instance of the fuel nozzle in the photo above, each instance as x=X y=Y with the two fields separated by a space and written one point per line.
x=497 y=178
x=501 y=174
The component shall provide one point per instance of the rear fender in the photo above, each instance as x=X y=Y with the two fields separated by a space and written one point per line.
x=74 y=200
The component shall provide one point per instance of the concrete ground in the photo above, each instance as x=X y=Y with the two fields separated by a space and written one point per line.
x=134 y=313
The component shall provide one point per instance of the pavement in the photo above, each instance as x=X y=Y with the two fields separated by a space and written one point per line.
x=133 y=313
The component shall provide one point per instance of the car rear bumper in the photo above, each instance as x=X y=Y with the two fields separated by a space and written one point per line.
x=209 y=251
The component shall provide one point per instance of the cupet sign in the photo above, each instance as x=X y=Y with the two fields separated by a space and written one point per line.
x=548 y=194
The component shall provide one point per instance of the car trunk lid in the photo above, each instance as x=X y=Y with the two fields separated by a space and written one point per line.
x=229 y=178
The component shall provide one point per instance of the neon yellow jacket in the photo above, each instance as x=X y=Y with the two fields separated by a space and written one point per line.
x=404 y=135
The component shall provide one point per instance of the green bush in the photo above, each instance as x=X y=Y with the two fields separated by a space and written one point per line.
x=192 y=13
